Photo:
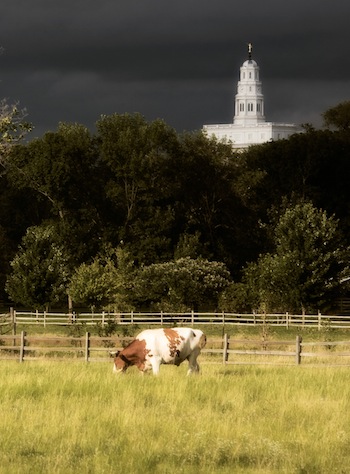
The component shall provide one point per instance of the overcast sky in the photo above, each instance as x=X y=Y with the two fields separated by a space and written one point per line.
x=179 y=60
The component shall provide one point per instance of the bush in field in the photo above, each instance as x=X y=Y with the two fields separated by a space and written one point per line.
x=40 y=270
x=183 y=284
x=94 y=284
x=104 y=283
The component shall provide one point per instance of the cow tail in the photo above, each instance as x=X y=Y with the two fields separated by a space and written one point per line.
x=202 y=341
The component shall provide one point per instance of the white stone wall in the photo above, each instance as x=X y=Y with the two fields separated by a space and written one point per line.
x=244 y=136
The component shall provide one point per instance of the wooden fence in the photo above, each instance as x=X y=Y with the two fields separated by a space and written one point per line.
x=224 y=350
x=287 y=320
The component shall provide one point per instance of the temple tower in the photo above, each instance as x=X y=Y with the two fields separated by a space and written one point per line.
x=249 y=101
x=249 y=126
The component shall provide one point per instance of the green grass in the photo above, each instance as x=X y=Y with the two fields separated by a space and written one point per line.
x=71 y=417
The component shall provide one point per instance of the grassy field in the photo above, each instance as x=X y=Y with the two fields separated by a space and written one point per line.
x=71 y=417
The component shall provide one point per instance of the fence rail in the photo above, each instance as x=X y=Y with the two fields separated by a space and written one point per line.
x=224 y=350
x=225 y=318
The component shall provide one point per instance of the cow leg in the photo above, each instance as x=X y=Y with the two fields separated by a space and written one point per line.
x=155 y=362
x=193 y=364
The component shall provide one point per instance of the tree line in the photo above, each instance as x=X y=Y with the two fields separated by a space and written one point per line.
x=138 y=216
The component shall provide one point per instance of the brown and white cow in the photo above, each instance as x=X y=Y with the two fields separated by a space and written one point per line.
x=154 y=347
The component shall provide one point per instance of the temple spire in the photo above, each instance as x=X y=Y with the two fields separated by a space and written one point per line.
x=249 y=100
x=250 y=50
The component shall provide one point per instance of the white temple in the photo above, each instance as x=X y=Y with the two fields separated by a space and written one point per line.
x=249 y=126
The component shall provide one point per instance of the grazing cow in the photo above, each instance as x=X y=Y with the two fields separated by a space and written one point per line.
x=154 y=347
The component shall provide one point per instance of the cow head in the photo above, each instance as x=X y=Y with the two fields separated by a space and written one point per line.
x=120 y=362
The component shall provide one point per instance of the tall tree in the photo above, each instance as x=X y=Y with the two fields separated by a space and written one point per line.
x=62 y=168
x=17 y=210
x=311 y=166
x=138 y=156
x=40 y=270
x=105 y=283
x=305 y=270
x=13 y=128
x=207 y=204
x=56 y=166
x=338 y=117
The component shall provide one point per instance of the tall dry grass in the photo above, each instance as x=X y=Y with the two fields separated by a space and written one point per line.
x=67 y=417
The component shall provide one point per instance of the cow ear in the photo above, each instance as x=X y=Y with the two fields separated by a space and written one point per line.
x=114 y=353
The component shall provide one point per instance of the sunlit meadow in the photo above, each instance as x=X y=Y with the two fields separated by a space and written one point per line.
x=73 y=417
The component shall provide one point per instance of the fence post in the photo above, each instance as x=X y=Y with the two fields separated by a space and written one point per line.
x=161 y=318
x=132 y=317
x=103 y=319
x=13 y=322
x=87 y=346
x=287 y=320
x=319 y=321
x=21 y=349
x=226 y=347
x=44 y=319
x=192 y=318
x=298 y=350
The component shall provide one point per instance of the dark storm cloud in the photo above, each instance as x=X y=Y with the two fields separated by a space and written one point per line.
x=75 y=60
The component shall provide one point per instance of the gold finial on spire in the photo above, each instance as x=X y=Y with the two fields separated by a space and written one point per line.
x=250 y=50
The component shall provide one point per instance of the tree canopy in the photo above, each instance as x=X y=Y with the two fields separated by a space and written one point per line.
x=13 y=128
x=338 y=116
x=40 y=270
x=305 y=269
x=183 y=284
x=162 y=198
x=105 y=283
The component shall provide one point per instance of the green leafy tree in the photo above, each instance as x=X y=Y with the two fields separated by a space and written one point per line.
x=338 y=117
x=166 y=186
x=62 y=168
x=305 y=270
x=16 y=209
x=190 y=245
x=138 y=156
x=105 y=283
x=94 y=284
x=56 y=167
x=310 y=166
x=13 y=128
x=183 y=284
x=40 y=270
x=206 y=202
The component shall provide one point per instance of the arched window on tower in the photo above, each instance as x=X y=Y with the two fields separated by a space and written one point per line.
x=241 y=107
x=250 y=107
